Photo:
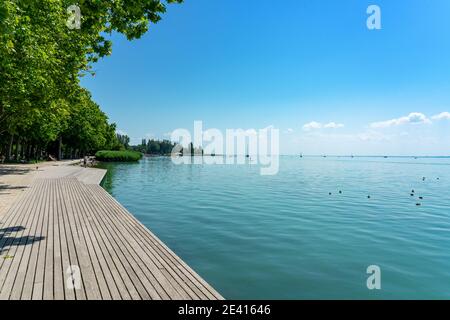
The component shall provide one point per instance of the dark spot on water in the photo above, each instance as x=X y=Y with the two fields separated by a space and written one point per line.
x=421 y=198
x=418 y=204
x=340 y=191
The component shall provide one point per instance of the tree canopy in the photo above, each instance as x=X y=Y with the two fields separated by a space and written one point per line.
x=41 y=62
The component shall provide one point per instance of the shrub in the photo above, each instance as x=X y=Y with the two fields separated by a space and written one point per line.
x=118 y=156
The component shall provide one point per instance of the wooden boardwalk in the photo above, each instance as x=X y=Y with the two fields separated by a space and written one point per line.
x=64 y=239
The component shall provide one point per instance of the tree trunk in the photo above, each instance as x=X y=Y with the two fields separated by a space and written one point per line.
x=10 y=148
x=23 y=149
x=60 y=149
x=29 y=151
x=17 y=149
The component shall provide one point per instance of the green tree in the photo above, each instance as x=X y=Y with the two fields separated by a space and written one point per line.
x=41 y=61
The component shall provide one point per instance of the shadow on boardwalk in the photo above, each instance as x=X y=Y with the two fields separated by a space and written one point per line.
x=11 y=169
x=7 y=240
x=6 y=170
x=6 y=188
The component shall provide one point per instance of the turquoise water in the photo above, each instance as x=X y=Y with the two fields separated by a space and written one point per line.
x=285 y=237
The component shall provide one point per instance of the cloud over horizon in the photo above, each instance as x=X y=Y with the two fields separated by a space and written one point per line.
x=442 y=116
x=412 y=118
x=313 y=125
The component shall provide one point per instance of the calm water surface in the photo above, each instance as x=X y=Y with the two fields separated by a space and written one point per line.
x=285 y=237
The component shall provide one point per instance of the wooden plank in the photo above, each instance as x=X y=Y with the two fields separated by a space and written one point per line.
x=16 y=245
x=166 y=254
x=83 y=225
x=169 y=271
x=70 y=235
x=38 y=288
x=31 y=242
x=69 y=292
x=85 y=239
x=121 y=277
x=132 y=270
x=27 y=290
x=49 y=263
x=113 y=280
x=10 y=217
x=192 y=276
x=8 y=244
x=89 y=175
x=89 y=280
x=59 y=282
x=148 y=273
x=166 y=288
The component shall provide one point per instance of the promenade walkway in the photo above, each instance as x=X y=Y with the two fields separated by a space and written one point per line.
x=65 y=237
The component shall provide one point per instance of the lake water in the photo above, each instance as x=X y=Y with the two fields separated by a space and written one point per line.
x=285 y=237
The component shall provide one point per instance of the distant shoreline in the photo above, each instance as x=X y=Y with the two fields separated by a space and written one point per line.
x=367 y=156
x=312 y=156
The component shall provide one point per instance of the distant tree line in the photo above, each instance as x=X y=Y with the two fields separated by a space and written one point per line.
x=155 y=147
x=44 y=111
x=165 y=148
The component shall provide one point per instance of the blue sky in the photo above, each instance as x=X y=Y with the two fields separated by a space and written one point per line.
x=310 y=68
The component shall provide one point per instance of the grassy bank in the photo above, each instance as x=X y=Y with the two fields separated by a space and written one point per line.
x=118 y=156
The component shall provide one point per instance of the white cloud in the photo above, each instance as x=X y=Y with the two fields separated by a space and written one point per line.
x=313 y=125
x=442 y=116
x=333 y=125
x=412 y=118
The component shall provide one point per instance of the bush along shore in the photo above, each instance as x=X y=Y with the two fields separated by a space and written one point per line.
x=118 y=156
